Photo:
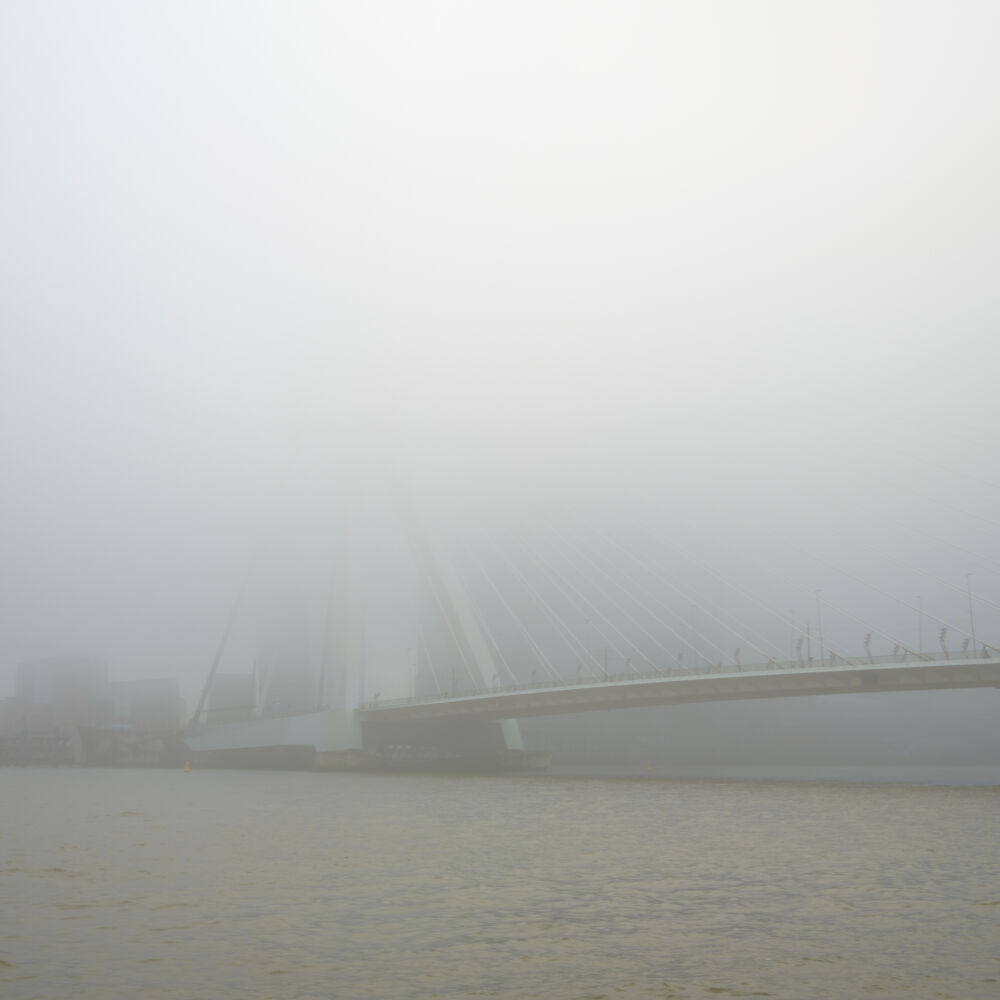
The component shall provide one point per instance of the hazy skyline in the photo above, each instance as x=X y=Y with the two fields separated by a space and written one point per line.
x=547 y=261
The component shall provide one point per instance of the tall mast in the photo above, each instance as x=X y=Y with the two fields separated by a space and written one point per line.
x=221 y=649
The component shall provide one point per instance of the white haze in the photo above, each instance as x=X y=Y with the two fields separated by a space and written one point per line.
x=733 y=263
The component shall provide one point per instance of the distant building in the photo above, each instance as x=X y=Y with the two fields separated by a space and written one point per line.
x=62 y=691
x=12 y=716
x=65 y=712
x=153 y=704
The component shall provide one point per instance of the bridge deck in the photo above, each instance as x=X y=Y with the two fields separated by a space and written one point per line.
x=672 y=690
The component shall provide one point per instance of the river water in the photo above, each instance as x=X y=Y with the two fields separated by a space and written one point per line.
x=131 y=883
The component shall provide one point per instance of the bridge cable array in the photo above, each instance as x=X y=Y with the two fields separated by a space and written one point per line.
x=577 y=647
x=622 y=579
x=698 y=602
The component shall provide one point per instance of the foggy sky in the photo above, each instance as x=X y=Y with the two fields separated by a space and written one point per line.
x=726 y=270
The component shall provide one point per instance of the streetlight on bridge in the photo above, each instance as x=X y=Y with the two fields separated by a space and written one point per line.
x=972 y=620
x=819 y=627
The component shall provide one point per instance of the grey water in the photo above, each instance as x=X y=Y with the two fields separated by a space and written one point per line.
x=126 y=883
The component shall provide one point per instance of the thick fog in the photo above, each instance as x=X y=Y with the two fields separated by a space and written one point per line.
x=696 y=302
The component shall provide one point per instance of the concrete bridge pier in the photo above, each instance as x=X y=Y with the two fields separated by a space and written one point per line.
x=451 y=744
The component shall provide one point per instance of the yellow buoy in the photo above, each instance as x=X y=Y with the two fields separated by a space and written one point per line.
x=187 y=767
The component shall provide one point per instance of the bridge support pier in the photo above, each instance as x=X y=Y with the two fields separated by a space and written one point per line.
x=451 y=744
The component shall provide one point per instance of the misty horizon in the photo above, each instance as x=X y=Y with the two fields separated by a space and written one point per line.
x=721 y=276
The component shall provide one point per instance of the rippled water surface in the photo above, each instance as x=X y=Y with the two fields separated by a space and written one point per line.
x=121 y=884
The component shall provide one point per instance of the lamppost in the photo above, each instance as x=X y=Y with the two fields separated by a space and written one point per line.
x=819 y=626
x=972 y=620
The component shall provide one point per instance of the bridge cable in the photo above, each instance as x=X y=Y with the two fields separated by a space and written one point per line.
x=716 y=574
x=699 y=603
x=696 y=603
x=910 y=568
x=868 y=625
x=634 y=621
x=659 y=620
x=930 y=536
x=884 y=593
x=831 y=604
x=427 y=653
x=589 y=609
x=576 y=645
x=484 y=625
x=543 y=660
x=451 y=631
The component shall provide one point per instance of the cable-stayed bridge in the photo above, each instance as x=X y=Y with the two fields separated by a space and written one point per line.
x=651 y=653
x=564 y=610
x=574 y=618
